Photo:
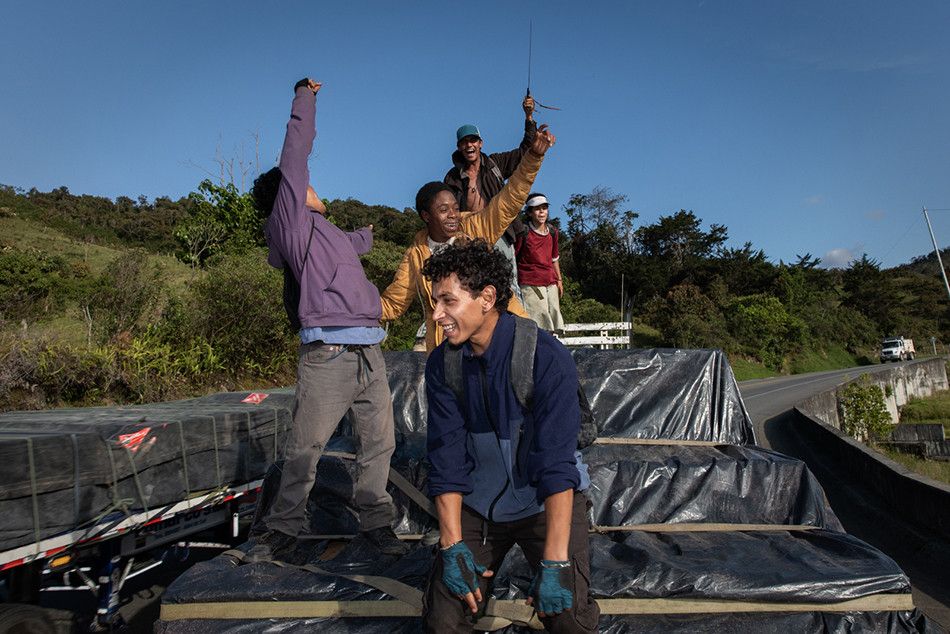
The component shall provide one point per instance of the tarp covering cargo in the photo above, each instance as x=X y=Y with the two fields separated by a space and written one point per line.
x=695 y=529
x=68 y=468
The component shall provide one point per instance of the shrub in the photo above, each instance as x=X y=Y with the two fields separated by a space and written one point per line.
x=576 y=308
x=33 y=283
x=762 y=327
x=865 y=412
x=127 y=294
x=237 y=309
x=688 y=319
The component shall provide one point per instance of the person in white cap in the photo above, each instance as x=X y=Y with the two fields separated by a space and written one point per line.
x=539 y=269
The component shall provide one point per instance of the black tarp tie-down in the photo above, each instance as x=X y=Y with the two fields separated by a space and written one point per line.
x=214 y=443
x=76 y=476
x=34 y=493
x=135 y=478
x=184 y=459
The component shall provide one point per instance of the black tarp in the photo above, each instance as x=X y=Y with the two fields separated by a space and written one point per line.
x=655 y=394
x=88 y=461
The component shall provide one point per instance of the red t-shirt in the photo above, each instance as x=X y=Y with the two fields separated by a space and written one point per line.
x=536 y=254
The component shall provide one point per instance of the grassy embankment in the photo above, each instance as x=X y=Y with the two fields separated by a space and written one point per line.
x=931 y=409
x=69 y=328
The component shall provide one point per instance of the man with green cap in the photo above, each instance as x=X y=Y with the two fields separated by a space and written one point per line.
x=477 y=177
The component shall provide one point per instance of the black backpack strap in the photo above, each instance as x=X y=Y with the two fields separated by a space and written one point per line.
x=452 y=368
x=522 y=360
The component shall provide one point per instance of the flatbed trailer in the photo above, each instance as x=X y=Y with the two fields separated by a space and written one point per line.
x=100 y=558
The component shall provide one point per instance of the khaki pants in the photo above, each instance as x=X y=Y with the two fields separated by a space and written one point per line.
x=543 y=304
x=331 y=380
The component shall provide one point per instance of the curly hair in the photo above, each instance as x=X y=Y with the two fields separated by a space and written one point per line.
x=427 y=194
x=264 y=191
x=477 y=265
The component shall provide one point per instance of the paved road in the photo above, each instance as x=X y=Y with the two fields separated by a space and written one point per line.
x=924 y=556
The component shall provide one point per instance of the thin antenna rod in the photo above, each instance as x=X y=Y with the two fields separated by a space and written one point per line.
x=530 y=33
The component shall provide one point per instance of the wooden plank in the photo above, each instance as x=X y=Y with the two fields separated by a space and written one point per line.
x=871 y=603
x=379 y=609
x=616 y=440
x=594 y=341
x=608 y=325
x=698 y=527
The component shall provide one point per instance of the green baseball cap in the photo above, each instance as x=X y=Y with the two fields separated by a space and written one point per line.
x=469 y=129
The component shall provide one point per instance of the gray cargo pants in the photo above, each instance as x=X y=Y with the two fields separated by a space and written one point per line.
x=331 y=380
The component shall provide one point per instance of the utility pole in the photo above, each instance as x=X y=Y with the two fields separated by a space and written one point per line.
x=946 y=284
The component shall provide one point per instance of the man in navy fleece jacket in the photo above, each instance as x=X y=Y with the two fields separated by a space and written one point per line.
x=501 y=475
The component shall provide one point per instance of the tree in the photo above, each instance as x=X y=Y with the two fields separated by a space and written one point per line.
x=218 y=215
x=745 y=271
x=599 y=242
x=688 y=319
x=680 y=240
x=869 y=291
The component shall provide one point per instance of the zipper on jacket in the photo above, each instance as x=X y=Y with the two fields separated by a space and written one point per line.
x=483 y=379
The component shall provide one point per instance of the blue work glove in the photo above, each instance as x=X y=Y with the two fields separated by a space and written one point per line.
x=460 y=572
x=551 y=589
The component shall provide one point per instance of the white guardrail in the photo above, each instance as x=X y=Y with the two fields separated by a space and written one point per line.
x=610 y=334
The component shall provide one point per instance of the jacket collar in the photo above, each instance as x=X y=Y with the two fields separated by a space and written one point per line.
x=501 y=341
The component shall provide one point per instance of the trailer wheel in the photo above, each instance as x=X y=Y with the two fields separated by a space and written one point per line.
x=18 y=618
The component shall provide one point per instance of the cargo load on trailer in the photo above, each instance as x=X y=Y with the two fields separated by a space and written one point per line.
x=695 y=528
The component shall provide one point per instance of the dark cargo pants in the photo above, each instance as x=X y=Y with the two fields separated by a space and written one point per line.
x=443 y=612
x=331 y=380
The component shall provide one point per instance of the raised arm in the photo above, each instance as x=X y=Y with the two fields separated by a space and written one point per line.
x=298 y=143
x=397 y=297
x=492 y=221
x=507 y=162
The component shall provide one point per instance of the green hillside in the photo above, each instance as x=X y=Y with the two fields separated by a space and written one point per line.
x=137 y=300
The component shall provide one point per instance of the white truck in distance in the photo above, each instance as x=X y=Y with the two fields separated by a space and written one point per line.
x=897 y=349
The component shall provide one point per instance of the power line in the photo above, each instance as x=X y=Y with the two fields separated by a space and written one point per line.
x=894 y=244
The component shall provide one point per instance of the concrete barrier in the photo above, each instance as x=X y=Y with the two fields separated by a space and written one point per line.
x=900 y=383
x=917 y=498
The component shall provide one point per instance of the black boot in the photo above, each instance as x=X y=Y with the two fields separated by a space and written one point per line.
x=384 y=539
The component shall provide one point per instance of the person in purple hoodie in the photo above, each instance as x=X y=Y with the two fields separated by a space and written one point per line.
x=340 y=365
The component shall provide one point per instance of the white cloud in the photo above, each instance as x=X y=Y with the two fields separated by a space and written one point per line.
x=817 y=199
x=837 y=258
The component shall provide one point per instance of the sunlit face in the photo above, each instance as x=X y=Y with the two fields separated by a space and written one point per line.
x=443 y=217
x=539 y=214
x=470 y=147
x=463 y=316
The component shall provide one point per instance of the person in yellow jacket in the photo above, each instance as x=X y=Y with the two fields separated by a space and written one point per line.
x=439 y=209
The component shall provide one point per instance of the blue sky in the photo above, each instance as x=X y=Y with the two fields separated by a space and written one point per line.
x=809 y=126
